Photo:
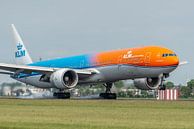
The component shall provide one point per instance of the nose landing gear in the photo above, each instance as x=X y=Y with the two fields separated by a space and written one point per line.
x=162 y=86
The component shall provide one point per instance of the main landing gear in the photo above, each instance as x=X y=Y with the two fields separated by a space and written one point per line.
x=108 y=94
x=61 y=95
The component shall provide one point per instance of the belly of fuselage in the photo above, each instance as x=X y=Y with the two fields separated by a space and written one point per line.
x=107 y=74
x=124 y=72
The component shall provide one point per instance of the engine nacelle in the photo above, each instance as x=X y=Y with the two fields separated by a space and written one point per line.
x=64 y=79
x=147 y=83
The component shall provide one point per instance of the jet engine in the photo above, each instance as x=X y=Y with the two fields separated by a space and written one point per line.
x=150 y=83
x=64 y=79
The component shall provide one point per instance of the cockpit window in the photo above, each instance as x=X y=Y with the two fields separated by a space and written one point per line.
x=168 y=54
x=164 y=55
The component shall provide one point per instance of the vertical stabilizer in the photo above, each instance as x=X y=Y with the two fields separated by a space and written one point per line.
x=21 y=54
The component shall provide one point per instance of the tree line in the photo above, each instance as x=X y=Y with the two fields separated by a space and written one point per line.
x=127 y=90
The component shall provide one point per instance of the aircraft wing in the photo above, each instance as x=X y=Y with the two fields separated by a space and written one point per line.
x=44 y=70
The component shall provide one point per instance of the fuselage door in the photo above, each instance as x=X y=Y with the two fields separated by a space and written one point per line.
x=81 y=64
x=147 y=58
x=120 y=59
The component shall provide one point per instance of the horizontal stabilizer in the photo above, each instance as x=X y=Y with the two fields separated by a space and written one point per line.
x=183 y=63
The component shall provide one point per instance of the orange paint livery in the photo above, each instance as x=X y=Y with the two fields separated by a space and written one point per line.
x=152 y=56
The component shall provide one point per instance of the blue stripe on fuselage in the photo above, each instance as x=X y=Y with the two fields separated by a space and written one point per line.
x=76 y=62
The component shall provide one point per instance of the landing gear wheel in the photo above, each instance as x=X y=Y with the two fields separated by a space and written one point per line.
x=162 y=85
x=108 y=94
x=62 y=95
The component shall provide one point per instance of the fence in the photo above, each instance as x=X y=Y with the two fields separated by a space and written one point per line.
x=168 y=94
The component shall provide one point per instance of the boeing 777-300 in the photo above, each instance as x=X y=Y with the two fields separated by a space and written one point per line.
x=147 y=66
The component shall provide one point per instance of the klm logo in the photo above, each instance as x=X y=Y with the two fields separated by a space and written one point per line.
x=20 y=52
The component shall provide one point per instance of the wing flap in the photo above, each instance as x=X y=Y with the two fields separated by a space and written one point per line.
x=5 y=72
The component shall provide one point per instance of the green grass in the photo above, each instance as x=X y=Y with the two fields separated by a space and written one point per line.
x=96 y=114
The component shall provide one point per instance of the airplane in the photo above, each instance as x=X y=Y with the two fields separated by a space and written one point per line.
x=147 y=66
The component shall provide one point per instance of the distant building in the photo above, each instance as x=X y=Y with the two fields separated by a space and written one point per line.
x=17 y=90
x=7 y=90
x=135 y=91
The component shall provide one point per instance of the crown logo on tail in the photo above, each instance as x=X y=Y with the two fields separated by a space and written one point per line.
x=19 y=46
x=20 y=52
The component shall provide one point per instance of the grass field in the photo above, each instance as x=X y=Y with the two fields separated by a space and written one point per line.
x=96 y=114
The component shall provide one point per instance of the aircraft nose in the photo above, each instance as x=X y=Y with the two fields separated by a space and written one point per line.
x=175 y=61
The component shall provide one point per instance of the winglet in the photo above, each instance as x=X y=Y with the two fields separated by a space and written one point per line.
x=21 y=54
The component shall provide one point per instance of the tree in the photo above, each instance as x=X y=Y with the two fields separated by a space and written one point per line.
x=131 y=86
x=185 y=91
x=130 y=94
x=144 y=94
x=122 y=94
x=169 y=85
x=190 y=84
x=119 y=84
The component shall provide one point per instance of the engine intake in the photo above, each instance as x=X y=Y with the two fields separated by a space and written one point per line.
x=148 y=83
x=64 y=79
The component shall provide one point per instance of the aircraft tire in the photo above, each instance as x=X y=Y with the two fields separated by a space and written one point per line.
x=108 y=95
x=62 y=95
x=163 y=87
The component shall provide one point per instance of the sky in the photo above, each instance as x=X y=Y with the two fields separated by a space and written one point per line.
x=59 y=28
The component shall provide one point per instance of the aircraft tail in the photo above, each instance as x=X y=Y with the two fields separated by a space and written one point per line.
x=22 y=56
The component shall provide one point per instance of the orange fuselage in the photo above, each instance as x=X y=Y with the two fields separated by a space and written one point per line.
x=152 y=56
